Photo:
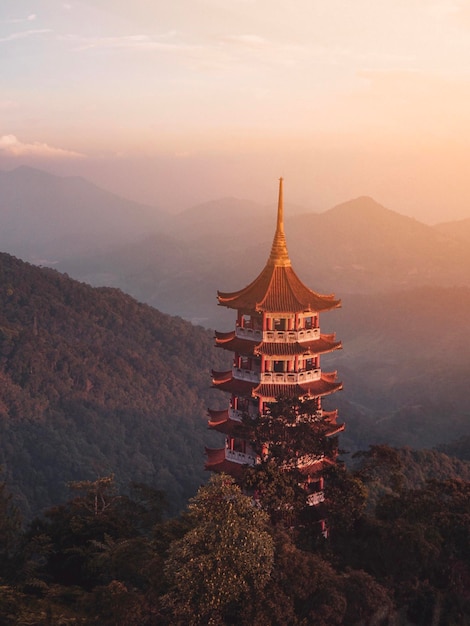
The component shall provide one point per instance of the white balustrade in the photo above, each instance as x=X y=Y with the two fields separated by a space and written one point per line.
x=239 y=457
x=278 y=336
x=291 y=377
x=315 y=498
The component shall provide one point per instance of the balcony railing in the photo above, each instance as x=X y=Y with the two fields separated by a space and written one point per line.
x=278 y=336
x=290 y=336
x=277 y=377
x=249 y=375
x=315 y=498
x=237 y=415
x=291 y=377
x=249 y=333
x=239 y=457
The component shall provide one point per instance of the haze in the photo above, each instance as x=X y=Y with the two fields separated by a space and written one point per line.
x=174 y=103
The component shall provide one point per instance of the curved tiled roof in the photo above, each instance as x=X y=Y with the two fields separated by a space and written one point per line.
x=221 y=421
x=216 y=462
x=314 y=389
x=278 y=289
x=271 y=391
x=322 y=345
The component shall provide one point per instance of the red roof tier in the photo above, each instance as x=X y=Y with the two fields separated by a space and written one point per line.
x=233 y=385
x=216 y=462
x=220 y=421
x=322 y=345
x=271 y=391
x=316 y=466
x=314 y=389
x=278 y=289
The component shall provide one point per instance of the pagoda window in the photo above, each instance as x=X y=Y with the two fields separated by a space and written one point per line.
x=241 y=404
x=238 y=445
x=308 y=323
x=279 y=366
x=246 y=321
x=245 y=363
x=257 y=322
x=309 y=364
x=280 y=323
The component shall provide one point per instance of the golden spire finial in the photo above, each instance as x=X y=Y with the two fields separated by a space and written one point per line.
x=279 y=254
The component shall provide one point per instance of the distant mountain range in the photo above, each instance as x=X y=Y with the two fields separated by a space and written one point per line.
x=45 y=218
x=405 y=286
x=177 y=262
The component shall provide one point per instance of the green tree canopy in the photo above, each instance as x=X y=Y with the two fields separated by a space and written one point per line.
x=227 y=553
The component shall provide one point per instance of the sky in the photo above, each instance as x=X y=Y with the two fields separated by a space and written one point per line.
x=177 y=102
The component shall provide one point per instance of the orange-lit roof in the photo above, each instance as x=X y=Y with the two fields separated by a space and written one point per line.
x=322 y=345
x=314 y=389
x=272 y=391
x=221 y=422
x=216 y=462
x=278 y=289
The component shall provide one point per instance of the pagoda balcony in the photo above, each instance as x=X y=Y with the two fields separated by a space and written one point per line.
x=248 y=333
x=248 y=375
x=315 y=498
x=291 y=336
x=239 y=457
x=291 y=377
x=237 y=416
x=286 y=378
x=278 y=336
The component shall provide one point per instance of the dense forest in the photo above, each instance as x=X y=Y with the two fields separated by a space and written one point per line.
x=102 y=432
x=93 y=383
x=396 y=555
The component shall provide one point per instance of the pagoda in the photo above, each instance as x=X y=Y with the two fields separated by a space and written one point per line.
x=277 y=345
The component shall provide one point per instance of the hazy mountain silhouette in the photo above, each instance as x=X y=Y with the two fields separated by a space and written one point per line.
x=459 y=229
x=47 y=217
x=355 y=247
x=360 y=246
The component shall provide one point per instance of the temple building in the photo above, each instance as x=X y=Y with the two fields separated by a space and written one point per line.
x=277 y=345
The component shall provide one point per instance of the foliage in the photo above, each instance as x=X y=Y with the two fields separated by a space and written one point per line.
x=292 y=430
x=94 y=383
x=227 y=553
x=290 y=435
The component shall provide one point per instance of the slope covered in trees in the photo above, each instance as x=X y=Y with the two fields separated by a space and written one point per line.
x=93 y=383
x=107 y=558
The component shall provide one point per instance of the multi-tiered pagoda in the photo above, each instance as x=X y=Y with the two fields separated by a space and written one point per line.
x=277 y=345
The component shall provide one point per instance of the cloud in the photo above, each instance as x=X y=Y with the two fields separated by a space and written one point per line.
x=10 y=145
x=25 y=34
x=248 y=40
x=19 y=20
x=130 y=42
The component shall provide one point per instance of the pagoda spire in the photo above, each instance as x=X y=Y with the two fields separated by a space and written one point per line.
x=279 y=255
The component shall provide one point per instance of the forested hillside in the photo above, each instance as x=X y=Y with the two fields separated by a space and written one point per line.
x=93 y=383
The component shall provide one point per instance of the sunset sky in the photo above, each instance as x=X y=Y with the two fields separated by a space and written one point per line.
x=174 y=102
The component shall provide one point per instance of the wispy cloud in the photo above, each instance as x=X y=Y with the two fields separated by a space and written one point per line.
x=24 y=34
x=11 y=145
x=131 y=42
x=246 y=40
x=20 y=20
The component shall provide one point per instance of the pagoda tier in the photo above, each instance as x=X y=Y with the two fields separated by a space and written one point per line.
x=272 y=385
x=220 y=460
x=311 y=347
x=277 y=288
x=224 y=421
x=229 y=422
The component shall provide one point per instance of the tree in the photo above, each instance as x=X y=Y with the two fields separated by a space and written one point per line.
x=291 y=435
x=227 y=553
x=10 y=529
